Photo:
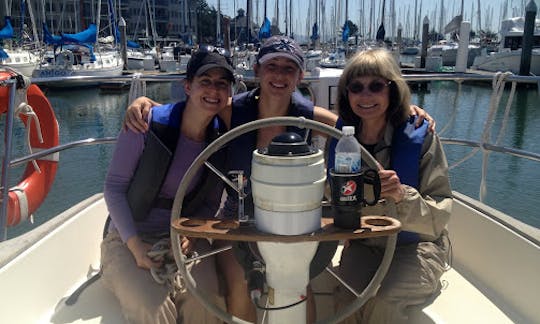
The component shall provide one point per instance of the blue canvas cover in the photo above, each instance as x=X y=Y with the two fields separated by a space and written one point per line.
x=130 y=44
x=3 y=54
x=346 y=31
x=314 y=32
x=7 y=30
x=265 y=31
x=86 y=36
x=49 y=38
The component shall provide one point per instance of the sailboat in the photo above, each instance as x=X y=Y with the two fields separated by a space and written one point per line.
x=314 y=54
x=78 y=54
x=51 y=274
x=337 y=58
x=19 y=58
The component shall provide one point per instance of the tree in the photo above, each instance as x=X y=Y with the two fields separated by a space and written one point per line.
x=206 y=21
x=434 y=36
x=353 y=29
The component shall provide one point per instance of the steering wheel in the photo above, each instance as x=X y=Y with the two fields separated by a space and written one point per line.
x=180 y=258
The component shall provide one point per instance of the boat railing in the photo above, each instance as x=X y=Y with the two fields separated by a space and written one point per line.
x=308 y=79
x=8 y=162
x=74 y=144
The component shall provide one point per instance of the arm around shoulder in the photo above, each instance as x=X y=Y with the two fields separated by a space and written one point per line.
x=137 y=114
x=324 y=115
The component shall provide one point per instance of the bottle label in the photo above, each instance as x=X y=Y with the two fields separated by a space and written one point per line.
x=347 y=162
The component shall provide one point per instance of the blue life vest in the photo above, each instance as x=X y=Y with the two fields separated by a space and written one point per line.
x=245 y=109
x=156 y=159
x=406 y=153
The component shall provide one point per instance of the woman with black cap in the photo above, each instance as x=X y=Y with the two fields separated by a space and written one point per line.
x=140 y=217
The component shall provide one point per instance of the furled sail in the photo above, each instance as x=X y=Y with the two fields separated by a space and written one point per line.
x=314 y=32
x=265 y=31
x=7 y=30
x=87 y=36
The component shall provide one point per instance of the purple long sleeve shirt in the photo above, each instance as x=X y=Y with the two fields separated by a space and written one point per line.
x=128 y=150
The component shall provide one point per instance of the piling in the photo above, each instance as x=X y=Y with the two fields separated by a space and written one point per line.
x=528 y=38
x=463 y=49
x=399 y=39
x=425 y=36
x=226 y=36
x=123 y=41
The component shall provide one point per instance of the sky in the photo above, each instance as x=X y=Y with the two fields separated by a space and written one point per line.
x=491 y=10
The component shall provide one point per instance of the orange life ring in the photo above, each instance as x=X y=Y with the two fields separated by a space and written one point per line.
x=27 y=196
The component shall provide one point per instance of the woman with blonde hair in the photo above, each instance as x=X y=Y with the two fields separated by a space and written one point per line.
x=374 y=98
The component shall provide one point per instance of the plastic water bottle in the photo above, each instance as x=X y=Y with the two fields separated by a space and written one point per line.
x=347 y=158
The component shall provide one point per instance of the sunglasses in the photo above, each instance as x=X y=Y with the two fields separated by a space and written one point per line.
x=212 y=49
x=373 y=86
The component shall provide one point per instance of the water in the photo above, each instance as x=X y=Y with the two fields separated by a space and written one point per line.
x=512 y=183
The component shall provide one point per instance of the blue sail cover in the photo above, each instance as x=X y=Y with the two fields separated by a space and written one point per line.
x=49 y=38
x=265 y=31
x=380 y=33
x=314 y=32
x=7 y=31
x=346 y=31
x=3 y=54
x=86 y=36
x=130 y=44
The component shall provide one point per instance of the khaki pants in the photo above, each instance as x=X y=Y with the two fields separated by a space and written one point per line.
x=143 y=300
x=412 y=278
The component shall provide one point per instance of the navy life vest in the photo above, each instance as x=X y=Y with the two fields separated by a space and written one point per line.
x=406 y=153
x=156 y=159
x=245 y=109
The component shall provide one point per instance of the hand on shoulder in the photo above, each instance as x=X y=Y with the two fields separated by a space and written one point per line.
x=137 y=114
x=422 y=114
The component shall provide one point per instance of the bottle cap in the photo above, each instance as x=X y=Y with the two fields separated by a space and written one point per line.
x=348 y=130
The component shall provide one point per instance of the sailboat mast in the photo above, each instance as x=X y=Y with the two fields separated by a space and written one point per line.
x=33 y=22
x=248 y=19
x=276 y=11
x=290 y=17
x=346 y=10
x=415 y=29
x=479 y=18
x=8 y=8
x=98 y=21
x=218 y=24
x=286 y=19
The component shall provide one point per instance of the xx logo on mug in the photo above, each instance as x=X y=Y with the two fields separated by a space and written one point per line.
x=347 y=191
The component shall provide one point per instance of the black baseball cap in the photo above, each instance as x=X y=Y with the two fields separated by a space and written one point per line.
x=202 y=61
x=281 y=46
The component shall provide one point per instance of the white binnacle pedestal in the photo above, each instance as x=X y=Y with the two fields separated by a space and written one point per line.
x=287 y=183
x=287 y=277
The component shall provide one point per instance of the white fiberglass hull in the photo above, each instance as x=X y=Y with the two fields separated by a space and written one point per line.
x=22 y=61
x=506 y=61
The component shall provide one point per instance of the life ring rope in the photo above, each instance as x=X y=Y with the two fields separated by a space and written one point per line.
x=27 y=110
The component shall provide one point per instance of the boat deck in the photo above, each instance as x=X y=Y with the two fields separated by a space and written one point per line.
x=459 y=302
x=464 y=298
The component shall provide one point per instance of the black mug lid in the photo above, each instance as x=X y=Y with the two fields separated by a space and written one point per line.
x=288 y=144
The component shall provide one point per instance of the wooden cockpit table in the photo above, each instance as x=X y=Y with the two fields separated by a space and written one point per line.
x=371 y=226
